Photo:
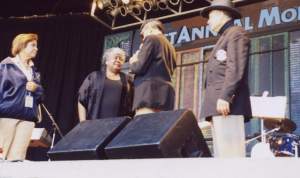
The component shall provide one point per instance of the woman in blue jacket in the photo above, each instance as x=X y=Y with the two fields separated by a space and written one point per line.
x=20 y=94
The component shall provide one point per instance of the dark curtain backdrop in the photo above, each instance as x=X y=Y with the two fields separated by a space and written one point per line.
x=70 y=47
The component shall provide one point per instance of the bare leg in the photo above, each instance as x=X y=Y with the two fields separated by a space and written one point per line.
x=145 y=110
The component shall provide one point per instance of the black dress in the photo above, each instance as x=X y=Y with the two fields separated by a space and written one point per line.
x=153 y=71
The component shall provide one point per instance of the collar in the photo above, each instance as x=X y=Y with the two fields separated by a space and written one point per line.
x=28 y=72
x=227 y=25
x=7 y=60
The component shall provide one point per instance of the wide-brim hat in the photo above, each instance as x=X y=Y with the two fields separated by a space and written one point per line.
x=224 y=5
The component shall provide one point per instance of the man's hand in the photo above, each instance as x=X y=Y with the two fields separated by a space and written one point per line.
x=223 y=107
x=134 y=58
x=31 y=86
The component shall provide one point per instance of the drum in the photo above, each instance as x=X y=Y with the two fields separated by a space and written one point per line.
x=284 y=144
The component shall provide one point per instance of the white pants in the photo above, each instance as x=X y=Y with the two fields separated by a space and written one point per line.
x=15 y=137
x=228 y=136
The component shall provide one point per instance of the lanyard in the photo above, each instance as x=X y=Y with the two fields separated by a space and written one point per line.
x=26 y=71
x=29 y=76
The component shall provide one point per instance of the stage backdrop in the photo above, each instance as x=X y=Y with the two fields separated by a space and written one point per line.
x=70 y=47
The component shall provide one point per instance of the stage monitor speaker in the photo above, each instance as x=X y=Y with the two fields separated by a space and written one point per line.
x=167 y=134
x=88 y=139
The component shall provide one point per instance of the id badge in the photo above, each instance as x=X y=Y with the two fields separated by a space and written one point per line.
x=29 y=101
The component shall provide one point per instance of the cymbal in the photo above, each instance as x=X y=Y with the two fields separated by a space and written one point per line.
x=284 y=125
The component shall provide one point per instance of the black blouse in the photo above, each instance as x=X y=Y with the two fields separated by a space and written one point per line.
x=111 y=98
x=91 y=94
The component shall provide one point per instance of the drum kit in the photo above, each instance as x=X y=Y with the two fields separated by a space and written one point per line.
x=282 y=142
x=277 y=138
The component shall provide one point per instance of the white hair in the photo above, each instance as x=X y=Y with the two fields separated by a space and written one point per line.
x=110 y=51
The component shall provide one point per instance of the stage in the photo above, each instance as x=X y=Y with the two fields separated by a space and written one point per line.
x=155 y=168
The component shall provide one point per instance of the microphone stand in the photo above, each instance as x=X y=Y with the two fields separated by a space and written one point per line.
x=55 y=126
x=262 y=135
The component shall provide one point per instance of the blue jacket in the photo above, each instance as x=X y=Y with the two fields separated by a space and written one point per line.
x=13 y=92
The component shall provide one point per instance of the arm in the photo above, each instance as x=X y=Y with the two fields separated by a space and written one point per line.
x=35 y=86
x=1 y=83
x=144 y=56
x=7 y=85
x=83 y=96
x=130 y=90
x=237 y=53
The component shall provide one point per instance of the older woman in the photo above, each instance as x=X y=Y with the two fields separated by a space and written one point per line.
x=20 y=93
x=108 y=92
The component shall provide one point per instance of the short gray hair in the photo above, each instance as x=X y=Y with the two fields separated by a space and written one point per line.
x=116 y=50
